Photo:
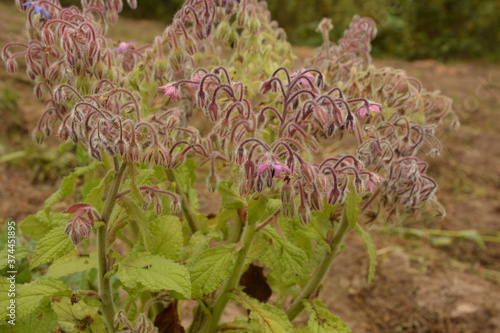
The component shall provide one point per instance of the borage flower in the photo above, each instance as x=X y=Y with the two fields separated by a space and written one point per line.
x=38 y=10
x=373 y=106
x=122 y=47
x=278 y=170
x=170 y=90
x=303 y=81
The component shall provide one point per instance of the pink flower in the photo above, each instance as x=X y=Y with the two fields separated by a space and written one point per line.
x=122 y=47
x=373 y=106
x=196 y=78
x=303 y=81
x=170 y=90
x=278 y=169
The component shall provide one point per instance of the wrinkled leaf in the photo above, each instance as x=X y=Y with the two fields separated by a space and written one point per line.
x=270 y=318
x=210 y=268
x=72 y=263
x=322 y=321
x=54 y=245
x=154 y=273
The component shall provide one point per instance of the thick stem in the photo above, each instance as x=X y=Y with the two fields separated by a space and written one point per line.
x=103 y=282
x=320 y=274
x=186 y=208
x=239 y=267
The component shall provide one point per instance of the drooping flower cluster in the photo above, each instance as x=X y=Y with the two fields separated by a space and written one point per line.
x=82 y=222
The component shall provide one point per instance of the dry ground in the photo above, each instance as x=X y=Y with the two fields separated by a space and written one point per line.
x=418 y=287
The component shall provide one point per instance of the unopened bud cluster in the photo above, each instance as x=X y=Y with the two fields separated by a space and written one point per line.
x=266 y=121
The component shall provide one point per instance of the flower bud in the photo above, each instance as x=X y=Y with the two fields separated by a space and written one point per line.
x=240 y=154
x=304 y=215
x=38 y=136
x=316 y=200
x=161 y=67
x=287 y=193
x=176 y=206
x=259 y=184
x=132 y=3
x=212 y=182
x=48 y=36
x=213 y=111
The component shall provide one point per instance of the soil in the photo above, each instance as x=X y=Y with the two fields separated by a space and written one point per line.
x=418 y=287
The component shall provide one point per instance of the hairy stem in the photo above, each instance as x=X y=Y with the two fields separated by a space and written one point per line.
x=186 y=208
x=104 y=286
x=324 y=267
x=239 y=268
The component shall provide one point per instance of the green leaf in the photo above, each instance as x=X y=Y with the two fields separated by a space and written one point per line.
x=270 y=318
x=230 y=195
x=30 y=295
x=185 y=175
x=352 y=210
x=284 y=255
x=322 y=321
x=198 y=242
x=166 y=237
x=155 y=273
x=20 y=254
x=210 y=268
x=37 y=226
x=72 y=316
x=94 y=197
x=260 y=208
x=43 y=319
x=51 y=247
x=68 y=185
x=72 y=263
x=372 y=251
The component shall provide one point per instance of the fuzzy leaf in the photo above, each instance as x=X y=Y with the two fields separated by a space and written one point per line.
x=322 y=321
x=68 y=185
x=94 y=197
x=281 y=254
x=166 y=238
x=185 y=175
x=372 y=251
x=155 y=273
x=30 y=295
x=230 y=196
x=270 y=318
x=352 y=201
x=72 y=263
x=20 y=254
x=54 y=245
x=210 y=268
x=72 y=315
x=43 y=319
x=260 y=208
x=37 y=226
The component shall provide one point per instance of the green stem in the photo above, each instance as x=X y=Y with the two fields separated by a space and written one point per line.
x=239 y=268
x=186 y=208
x=324 y=267
x=104 y=286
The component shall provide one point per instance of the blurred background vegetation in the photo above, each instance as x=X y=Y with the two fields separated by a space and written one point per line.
x=408 y=29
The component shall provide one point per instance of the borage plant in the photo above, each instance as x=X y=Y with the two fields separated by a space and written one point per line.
x=140 y=243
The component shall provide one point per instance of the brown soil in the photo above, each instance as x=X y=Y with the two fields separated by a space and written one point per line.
x=417 y=287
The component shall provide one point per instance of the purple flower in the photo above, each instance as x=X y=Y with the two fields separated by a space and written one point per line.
x=373 y=106
x=303 y=81
x=122 y=47
x=38 y=10
x=278 y=169
x=170 y=90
